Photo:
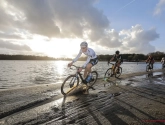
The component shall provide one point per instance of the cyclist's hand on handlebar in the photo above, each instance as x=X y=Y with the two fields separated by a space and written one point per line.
x=70 y=64
x=108 y=63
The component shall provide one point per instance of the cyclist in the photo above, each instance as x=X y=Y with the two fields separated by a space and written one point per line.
x=91 y=60
x=119 y=60
x=150 y=60
x=163 y=62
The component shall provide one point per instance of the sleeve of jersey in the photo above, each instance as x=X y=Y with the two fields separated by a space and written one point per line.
x=88 y=59
x=77 y=57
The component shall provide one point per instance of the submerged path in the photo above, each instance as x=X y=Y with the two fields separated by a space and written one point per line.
x=137 y=98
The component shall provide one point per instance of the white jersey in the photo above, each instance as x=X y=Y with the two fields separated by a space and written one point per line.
x=90 y=53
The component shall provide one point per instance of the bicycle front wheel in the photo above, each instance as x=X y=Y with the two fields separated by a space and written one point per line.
x=118 y=72
x=108 y=73
x=69 y=84
x=93 y=79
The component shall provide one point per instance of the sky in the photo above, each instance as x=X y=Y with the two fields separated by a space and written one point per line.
x=56 y=28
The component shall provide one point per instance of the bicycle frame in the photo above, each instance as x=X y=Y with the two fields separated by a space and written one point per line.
x=113 y=65
x=78 y=73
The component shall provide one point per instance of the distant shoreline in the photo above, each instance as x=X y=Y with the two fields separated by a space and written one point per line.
x=126 y=57
x=64 y=60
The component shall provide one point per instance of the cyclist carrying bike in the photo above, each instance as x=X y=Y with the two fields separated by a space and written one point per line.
x=90 y=62
x=150 y=60
x=119 y=60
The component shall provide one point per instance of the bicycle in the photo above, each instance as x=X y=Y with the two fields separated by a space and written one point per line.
x=109 y=72
x=149 y=67
x=72 y=81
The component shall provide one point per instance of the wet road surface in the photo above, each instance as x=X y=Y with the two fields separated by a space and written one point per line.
x=132 y=99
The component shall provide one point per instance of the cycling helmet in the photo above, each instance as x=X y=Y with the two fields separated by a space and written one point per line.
x=84 y=44
x=117 y=52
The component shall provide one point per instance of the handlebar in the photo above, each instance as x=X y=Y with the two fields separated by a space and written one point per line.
x=111 y=63
x=77 y=67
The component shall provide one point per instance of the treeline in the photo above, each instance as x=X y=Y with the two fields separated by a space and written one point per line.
x=24 y=57
x=32 y=57
x=126 y=57
x=135 y=57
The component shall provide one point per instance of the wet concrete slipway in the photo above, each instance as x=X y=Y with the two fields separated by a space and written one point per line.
x=137 y=98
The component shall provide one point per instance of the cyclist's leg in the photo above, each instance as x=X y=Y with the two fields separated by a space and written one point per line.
x=114 y=69
x=152 y=65
x=87 y=70
x=91 y=63
x=85 y=73
x=115 y=65
x=118 y=65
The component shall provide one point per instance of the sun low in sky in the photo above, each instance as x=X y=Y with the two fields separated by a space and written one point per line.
x=57 y=27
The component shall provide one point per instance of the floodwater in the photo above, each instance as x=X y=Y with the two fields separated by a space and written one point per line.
x=28 y=73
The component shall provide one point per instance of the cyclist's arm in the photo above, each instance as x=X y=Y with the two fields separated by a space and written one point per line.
x=112 y=59
x=77 y=57
x=147 y=59
x=88 y=59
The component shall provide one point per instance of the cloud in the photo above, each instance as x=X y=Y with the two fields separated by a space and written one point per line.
x=60 y=18
x=10 y=36
x=160 y=7
x=111 y=40
x=74 y=19
x=12 y=46
x=138 y=40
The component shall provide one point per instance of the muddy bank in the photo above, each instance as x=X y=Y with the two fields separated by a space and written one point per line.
x=130 y=100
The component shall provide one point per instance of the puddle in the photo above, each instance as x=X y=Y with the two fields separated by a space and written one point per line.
x=150 y=78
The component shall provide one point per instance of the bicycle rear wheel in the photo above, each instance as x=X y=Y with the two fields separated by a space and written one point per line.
x=118 y=72
x=69 y=84
x=93 y=79
x=108 y=73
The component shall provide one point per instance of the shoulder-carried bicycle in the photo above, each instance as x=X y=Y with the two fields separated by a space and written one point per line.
x=73 y=81
x=149 y=67
x=109 y=72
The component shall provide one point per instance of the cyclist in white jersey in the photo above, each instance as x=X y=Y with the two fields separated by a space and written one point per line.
x=91 y=60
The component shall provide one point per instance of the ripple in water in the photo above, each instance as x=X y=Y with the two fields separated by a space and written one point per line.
x=24 y=73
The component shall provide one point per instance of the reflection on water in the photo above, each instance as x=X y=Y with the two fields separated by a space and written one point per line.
x=25 y=73
x=60 y=67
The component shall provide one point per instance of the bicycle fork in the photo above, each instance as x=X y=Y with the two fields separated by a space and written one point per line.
x=72 y=81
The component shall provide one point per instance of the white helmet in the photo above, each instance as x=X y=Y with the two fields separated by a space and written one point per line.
x=84 y=44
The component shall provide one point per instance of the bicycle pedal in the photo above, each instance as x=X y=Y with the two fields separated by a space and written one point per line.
x=111 y=75
x=92 y=80
x=84 y=82
x=90 y=87
x=71 y=85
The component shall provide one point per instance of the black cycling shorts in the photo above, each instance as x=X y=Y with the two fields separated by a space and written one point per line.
x=94 y=61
